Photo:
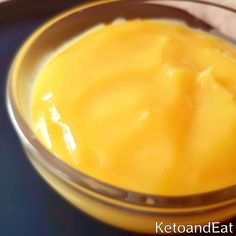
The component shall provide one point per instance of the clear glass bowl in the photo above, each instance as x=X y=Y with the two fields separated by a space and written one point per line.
x=119 y=207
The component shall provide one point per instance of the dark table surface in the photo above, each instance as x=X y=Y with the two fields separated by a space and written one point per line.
x=28 y=206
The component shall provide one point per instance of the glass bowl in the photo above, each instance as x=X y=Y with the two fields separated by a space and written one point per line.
x=119 y=207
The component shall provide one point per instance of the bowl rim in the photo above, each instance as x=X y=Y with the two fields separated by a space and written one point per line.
x=227 y=194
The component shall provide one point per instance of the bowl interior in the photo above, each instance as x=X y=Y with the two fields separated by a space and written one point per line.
x=76 y=23
x=69 y=25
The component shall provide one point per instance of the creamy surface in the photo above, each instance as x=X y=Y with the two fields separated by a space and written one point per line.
x=144 y=105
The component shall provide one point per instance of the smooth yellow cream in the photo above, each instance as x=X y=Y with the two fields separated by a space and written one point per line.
x=144 y=105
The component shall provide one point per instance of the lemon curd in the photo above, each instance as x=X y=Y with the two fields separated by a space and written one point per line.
x=145 y=105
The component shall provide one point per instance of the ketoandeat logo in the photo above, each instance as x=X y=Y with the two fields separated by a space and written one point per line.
x=210 y=228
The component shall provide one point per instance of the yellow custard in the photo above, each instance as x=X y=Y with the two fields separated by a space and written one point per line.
x=144 y=105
